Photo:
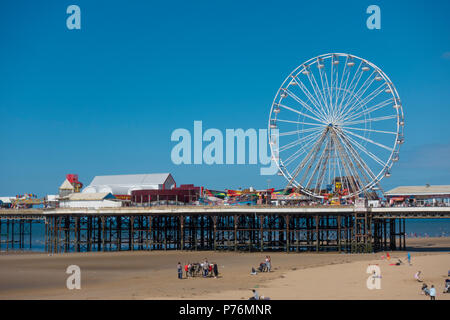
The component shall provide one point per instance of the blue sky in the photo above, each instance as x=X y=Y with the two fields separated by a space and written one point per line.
x=105 y=99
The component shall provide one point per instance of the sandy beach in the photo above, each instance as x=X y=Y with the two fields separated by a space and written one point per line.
x=152 y=275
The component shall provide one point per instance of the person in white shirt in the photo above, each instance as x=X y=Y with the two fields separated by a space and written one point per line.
x=432 y=293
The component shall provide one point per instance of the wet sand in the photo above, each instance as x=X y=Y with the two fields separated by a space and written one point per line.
x=152 y=275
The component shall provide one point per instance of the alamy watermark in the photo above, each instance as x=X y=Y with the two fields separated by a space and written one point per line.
x=74 y=20
x=74 y=280
x=374 y=280
x=191 y=149
x=374 y=20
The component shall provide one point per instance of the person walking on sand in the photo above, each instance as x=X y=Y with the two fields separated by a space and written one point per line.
x=432 y=293
x=180 y=271
x=409 y=258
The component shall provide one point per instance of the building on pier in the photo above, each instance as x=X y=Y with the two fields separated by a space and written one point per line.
x=66 y=188
x=70 y=185
x=90 y=200
x=420 y=195
x=51 y=201
x=122 y=185
x=5 y=202
x=186 y=193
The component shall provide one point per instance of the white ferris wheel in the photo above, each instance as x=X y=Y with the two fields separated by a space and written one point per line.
x=340 y=124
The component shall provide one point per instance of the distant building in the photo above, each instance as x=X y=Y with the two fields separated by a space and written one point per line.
x=90 y=200
x=51 y=201
x=125 y=184
x=70 y=185
x=420 y=194
x=66 y=188
x=5 y=202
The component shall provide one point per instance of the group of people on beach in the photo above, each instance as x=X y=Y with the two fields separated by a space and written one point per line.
x=431 y=292
x=427 y=291
x=204 y=268
x=264 y=266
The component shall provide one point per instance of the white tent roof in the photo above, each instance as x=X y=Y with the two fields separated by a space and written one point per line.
x=131 y=179
x=124 y=184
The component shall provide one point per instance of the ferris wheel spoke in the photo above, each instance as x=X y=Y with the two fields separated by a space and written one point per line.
x=332 y=84
x=351 y=87
x=347 y=155
x=318 y=92
x=369 y=110
x=344 y=81
x=316 y=167
x=289 y=133
x=305 y=105
x=369 y=140
x=299 y=112
x=297 y=153
x=330 y=95
x=300 y=151
x=371 y=120
x=360 y=164
x=363 y=149
x=309 y=95
x=367 y=169
x=345 y=164
x=313 y=161
x=323 y=74
x=359 y=174
x=297 y=142
x=370 y=130
x=312 y=152
x=366 y=85
x=360 y=104
x=321 y=176
x=300 y=122
x=338 y=160
x=305 y=175
x=341 y=81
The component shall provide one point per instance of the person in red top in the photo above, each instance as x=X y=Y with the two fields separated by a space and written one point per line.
x=186 y=269
x=210 y=270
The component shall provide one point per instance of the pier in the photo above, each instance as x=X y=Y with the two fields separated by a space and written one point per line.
x=257 y=228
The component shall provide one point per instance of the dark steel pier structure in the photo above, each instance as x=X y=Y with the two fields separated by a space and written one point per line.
x=288 y=229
